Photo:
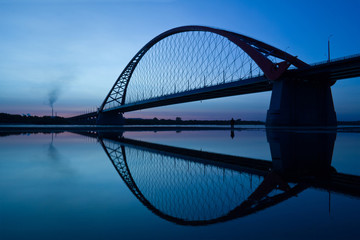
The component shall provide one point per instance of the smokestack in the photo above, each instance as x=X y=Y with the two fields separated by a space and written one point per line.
x=53 y=96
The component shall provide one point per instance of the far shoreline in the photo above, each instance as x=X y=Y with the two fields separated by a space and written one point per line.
x=25 y=122
x=31 y=128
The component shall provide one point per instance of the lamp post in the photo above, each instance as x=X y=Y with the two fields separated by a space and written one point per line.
x=329 y=47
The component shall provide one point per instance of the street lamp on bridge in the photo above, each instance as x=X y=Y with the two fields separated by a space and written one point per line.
x=329 y=47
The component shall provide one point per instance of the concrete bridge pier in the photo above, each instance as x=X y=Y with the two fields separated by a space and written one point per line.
x=110 y=118
x=301 y=103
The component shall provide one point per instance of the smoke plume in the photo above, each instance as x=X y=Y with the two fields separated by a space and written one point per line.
x=56 y=88
x=53 y=96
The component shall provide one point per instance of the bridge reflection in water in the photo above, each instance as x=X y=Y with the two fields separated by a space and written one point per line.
x=191 y=187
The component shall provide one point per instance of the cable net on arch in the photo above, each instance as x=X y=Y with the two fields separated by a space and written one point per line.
x=180 y=188
x=187 y=61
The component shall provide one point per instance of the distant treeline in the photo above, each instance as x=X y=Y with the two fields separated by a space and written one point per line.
x=179 y=121
x=25 y=119
x=6 y=118
x=349 y=123
x=28 y=131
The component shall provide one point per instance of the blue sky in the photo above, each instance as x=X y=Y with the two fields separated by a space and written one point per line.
x=80 y=47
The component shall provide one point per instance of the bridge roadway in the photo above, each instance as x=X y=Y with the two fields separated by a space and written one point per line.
x=328 y=71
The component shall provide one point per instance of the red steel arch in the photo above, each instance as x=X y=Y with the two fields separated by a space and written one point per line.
x=257 y=50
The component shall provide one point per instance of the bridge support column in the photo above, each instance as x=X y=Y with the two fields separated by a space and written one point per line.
x=110 y=118
x=299 y=103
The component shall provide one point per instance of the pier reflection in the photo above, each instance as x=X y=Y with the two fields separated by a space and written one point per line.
x=191 y=187
x=298 y=153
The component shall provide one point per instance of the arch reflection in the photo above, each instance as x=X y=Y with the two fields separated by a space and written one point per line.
x=192 y=187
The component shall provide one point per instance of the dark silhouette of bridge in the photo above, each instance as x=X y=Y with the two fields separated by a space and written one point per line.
x=192 y=187
x=194 y=63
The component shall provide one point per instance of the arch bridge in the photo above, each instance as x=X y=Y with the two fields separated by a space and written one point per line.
x=192 y=63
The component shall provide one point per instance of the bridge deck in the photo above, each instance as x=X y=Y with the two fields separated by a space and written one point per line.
x=328 y=71
x=338 y=69
x=252 y=85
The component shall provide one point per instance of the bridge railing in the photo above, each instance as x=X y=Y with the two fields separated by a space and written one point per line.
x=336 y=59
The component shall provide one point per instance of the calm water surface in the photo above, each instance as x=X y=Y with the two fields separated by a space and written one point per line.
x=277 y=185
